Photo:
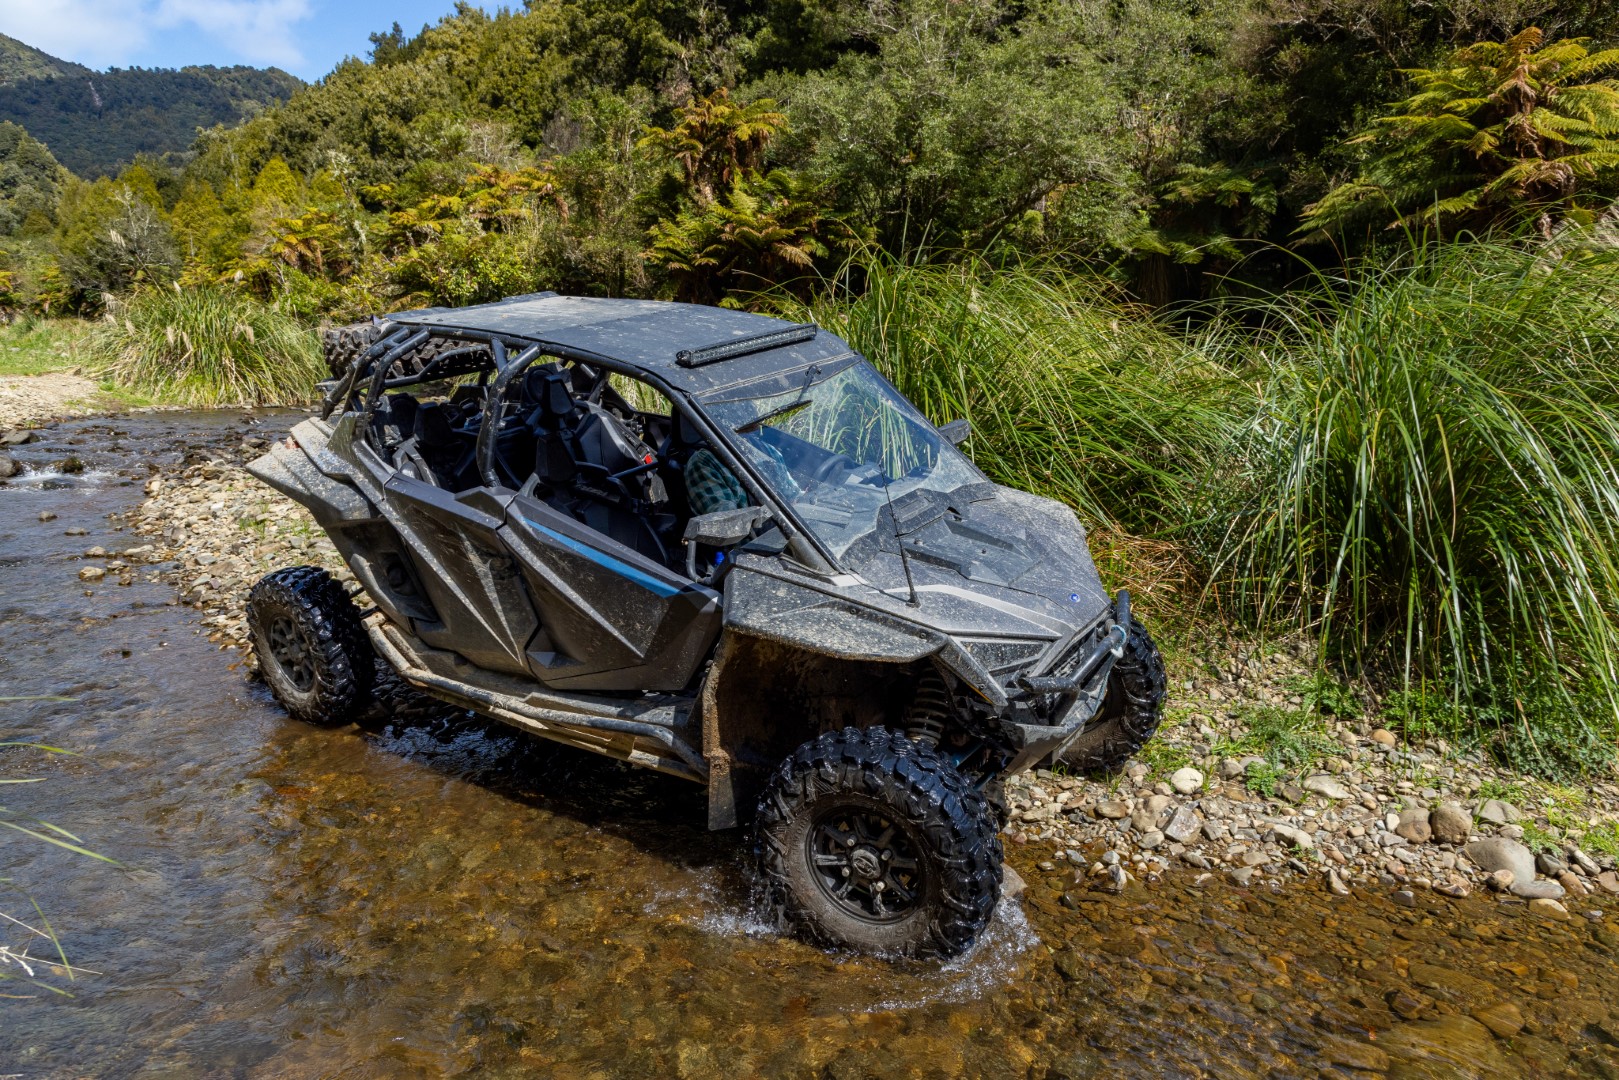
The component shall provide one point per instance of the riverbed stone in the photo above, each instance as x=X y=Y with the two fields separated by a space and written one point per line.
x=1293 y=835
x=1608 y=882
x=1414 y=825
x=1113 y=809
x=1450 y=824
x=1012 y=884
x=1504 y=1019
x=1452 y=1046
x=1328 y=787
x=1186 y=781
x=1499 y=812
x=1537 y=890
x=1384 y=737
x=92 y=573
x=1354 y=1054
x=1548 y=908
x=8 y=467
x=1183 y=825
x=1497 y=853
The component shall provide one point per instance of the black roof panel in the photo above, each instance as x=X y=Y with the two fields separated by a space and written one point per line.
x=643 y=334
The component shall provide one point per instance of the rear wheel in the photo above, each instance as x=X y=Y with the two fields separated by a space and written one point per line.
x=1130 y=713
x=872 y=841
x=311 y=648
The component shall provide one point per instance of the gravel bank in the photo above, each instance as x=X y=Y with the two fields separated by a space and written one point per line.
x=28 y=400
x=1356 y=808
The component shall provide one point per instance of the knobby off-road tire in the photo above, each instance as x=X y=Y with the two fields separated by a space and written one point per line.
x=1130 y=712
x=311 y=647
x=345 y=344
x=855 y=809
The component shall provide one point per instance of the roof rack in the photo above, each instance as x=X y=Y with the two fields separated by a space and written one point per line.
x=726 y=350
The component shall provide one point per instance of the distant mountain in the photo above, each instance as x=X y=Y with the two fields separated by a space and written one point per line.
x=96 y=122
x=19 y=61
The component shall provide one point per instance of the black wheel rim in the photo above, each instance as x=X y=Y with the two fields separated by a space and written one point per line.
x=866 y=862
x=291 y=653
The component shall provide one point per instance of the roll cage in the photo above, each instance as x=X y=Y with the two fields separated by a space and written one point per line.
x=410 y=355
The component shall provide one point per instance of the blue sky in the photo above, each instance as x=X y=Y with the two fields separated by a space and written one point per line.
x=305 y=37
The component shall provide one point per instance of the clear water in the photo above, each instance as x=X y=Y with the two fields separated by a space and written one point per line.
x=460 y=900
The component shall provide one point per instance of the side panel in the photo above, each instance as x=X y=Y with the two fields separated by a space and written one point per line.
x=612 y=619
x=483 y=606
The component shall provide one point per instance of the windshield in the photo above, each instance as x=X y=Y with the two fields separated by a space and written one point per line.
x=840 y=449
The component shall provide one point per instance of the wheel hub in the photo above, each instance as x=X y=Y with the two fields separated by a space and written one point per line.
x=866 y=862
x=291 y=653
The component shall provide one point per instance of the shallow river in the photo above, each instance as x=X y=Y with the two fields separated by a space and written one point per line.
x=457 y=900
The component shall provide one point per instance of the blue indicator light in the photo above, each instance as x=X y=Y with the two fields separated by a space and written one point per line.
x=719 y=557
x=1073 y=598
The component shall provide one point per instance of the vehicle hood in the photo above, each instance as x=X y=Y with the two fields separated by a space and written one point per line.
x=1000 y=563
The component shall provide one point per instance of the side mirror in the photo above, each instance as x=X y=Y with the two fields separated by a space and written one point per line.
x=725 y=528
x=957 y=431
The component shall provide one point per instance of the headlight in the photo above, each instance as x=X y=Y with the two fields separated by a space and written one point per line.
x=1004 y=654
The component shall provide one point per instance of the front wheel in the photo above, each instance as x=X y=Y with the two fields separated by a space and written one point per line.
x=311 y=647
x=1130 y=712
x=871 y=841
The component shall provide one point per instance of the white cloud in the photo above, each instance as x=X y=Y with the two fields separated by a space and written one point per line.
x=114 y=32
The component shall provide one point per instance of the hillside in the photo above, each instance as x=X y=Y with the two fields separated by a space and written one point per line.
x=96 y=122
x=19 y=61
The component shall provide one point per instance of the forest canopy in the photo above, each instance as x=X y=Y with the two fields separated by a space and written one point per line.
x=712 y=151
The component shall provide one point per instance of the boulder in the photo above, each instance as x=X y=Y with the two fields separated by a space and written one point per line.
x=1499 y=812
x=1450 y=824
x=1537 y=890
x=1414 y=825
x=1497 y=853
x=8 y=467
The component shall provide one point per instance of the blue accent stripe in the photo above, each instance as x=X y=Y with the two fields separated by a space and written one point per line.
x=607 y=562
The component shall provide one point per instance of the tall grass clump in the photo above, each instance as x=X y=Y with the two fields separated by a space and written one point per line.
x=206 y=346
x=1070 y=394
x=1429 y=477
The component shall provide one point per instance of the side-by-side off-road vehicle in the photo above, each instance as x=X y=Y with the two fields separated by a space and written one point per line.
x=721 y=546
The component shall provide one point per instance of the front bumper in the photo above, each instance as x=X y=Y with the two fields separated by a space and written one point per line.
x=1080 y=692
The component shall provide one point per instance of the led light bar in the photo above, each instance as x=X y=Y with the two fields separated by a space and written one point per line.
x=727 y=350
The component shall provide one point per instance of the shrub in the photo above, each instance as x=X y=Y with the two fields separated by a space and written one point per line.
x=1426 y=476
x=207 y=345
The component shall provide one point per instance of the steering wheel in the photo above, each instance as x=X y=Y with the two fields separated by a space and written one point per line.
x=839 y=466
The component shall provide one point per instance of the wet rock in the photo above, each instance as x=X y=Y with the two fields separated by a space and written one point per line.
x=17 y=438
x=92 y=573
x=1450 y=824
x=1608 y=882
x=1455 y=887
x=1327 y=787
x=1547 y=907
x=1503 y=1019
x=47 y=515
x=1497 y=853
x=1537 y=890
x=8 y=467
x=1012 y=884
x=1186 y=781
x=76 y=531
x=95 y=553
x=1414 y=826
x=1501 y=880
x=1241 y=875
x=1450 y=1046
x=1499 y=812
x=1384 y=737
x=1354 y=1054
x=1409 y=1005
x=1405 y=898
x=1572 y=884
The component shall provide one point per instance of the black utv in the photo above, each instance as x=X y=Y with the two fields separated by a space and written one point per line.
x=721 y=546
